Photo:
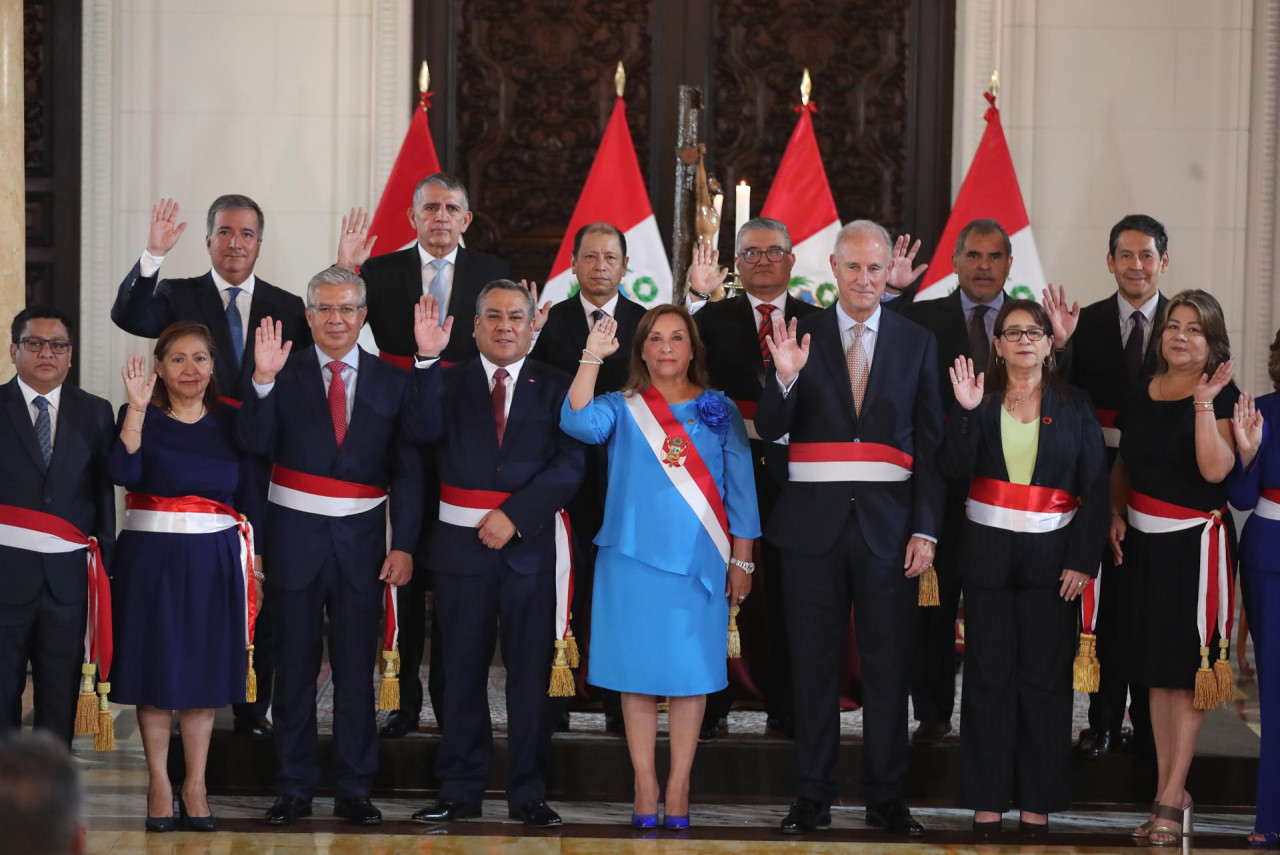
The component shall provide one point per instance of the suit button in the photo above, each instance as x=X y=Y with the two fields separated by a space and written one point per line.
x=855 y=439
x=48 y=500
x=498 y=468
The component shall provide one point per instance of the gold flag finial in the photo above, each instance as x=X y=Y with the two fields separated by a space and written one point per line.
x=424 y=78
x=806 y=87
x=994 y=86
x=620 y=79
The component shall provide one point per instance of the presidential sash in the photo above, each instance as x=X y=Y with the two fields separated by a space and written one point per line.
x=315 y=494
x=848 y=461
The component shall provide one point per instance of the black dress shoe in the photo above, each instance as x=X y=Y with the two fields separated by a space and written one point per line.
x=1103 y=742
x=780 y=727
x=562 y=723
x=537 y=814
x=712 y=730
x=398 y=724
x=805 y=816
x=287 y=810
x=161 y=823
x=446 y=810
x=1032 y=829
x=357 y=811
x=988 y=830
x=257 y=726
x=614 y=725
x=930 y=732
x=894 y=816
x=187 y=822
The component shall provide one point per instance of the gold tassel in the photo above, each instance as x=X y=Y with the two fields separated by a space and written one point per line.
x=929 y=588
x=561 y=677
x=104 y=739
x=250 y=680
x=87 y=705
x=1085 y=671
x=575 y=658
x=735 y=639
x=1206 y=696
x=389 y=692
x=1222 y=671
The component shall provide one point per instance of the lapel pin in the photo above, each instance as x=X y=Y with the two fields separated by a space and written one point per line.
x=1048 y=420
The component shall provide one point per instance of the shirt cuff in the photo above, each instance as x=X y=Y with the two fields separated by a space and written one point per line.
x=786 y=390
x=929 y=538
x=263 y=389
x=424 y=362
x=148 y=264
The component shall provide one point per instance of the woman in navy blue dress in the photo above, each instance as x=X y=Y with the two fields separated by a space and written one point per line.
x=1255 y=485
x=178 y=592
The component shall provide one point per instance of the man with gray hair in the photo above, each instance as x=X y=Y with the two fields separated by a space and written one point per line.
x=41 y=797
x=333 y=422
x=856 y=388
x=231 y=301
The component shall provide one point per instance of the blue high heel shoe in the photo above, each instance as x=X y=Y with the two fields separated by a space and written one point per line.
x=644 y=820
x=675 y=823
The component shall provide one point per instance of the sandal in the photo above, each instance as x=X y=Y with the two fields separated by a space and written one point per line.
x=1264 y=840
x=1143 y=830
x=1171 y=835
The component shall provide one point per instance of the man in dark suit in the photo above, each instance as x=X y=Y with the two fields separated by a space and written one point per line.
x=737 y=361
x=436 y=265
x=599 y=263
x=505 y=469
x=56 y=438
x=331 y=418
x=1107 y=349
x=231 y=301
x=857 y=521
x=963 y=324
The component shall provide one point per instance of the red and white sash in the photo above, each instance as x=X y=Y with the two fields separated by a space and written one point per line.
x=1110 y=433
x=197 y=515
x=36 y=531
x=680 y=461
x=1213 y=599
x=315 y=494
x=848 y=461
x=748 y=411
x=466 y=508
x=1089 y=603
x=1268 y=506
x=1019 y=508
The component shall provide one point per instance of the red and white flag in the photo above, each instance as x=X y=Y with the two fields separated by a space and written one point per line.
x=615 y=193
x=801 y=198
x=416 y=160
x=989 y=191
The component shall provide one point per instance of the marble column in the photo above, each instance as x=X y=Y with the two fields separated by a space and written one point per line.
x=13 y=219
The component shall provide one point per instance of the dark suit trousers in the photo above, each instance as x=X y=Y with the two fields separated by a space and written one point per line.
x=412 y=616
x=353 y=630
x=1106 y=706
x=471 y=610
x=933 y=686
x=50 y=636
x=818 y=595
x=1015 y=709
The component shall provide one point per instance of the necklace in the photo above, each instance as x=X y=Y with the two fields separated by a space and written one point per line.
x=1010 y=407
x=176 y=417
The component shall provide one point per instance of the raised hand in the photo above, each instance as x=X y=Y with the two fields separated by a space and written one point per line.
x=789 y=355
x=165 y=228
x=705 y=277
x=901 y=273
x=355 y=246
x=602 y=341
x=1064 y=320
x=1209 y=387
x=1246 y=424
x=138 y=382
x=540 y=317
x=430 y=338
x=270 y=351
x=965 y=384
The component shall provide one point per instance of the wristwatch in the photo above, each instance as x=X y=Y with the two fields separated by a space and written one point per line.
x=748 y=567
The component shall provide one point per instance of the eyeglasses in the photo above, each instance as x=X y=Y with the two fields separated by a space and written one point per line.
x=1032 y=334
x=346 y=312
x=752 y=256
x=35 y=345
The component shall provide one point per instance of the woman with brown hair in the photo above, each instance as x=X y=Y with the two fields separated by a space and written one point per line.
x=1035 y=520
x=680 y=518
x=1171 y=529
x=183 y=588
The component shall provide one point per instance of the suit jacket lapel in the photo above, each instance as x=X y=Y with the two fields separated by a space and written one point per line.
x=311 y=376
x=829 y=346
x=216 y=319
x=886 y=344
x=411 y=279
x=746 y=323
x=989 y=412
x=364 y=393
x=1153 y=344
x=476 y=388
x=21 y=417
x=68 y=428
x=1045 y=438
x=523 y=392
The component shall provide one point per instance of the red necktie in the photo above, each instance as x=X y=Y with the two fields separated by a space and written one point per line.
x=500 y=401
x=766 y=330
x=338 y=401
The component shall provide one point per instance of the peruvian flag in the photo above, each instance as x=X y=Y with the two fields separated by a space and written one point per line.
x=615 y=193
x=989 y=191
x=801 y=198
x=416 y=160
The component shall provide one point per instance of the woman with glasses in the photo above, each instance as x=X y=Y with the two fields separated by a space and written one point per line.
x=1036 y=519
x=1171 y=528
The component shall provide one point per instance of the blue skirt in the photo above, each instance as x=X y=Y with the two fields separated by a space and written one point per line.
x=654 y=632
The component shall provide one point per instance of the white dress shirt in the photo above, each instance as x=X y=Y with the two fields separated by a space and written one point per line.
x=350 y=371
x=1148 y=310
x=609 y=308
x=778 y=315
x=54 y=398
x=149 y=265
x=429 y=274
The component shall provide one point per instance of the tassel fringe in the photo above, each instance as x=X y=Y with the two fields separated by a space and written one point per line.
x=104 y=739
x=1085 y=670
x=250 y=680
x=1222 y=671
x=87 y=704
x=1206 y=695
x=575 y=658
x=389 y=691
x=929 y=588
x=561 y=677
x=735 y=639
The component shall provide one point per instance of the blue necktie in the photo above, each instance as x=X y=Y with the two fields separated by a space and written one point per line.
x=236 y=324
x=44 y=428
x=439 y=288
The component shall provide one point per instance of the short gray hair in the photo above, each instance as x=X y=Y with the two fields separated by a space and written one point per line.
x=445 y=180
x=860 y=228
x=506 y=285
x=762 y=224
x=336 y=275
x=233 y=202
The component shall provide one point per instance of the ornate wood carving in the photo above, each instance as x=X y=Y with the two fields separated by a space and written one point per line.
x=34 y=73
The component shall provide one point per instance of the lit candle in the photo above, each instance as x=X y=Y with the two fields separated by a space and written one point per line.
x=718 y=204
x=742 y=207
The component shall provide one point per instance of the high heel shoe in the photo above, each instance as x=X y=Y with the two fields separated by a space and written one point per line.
x=1173 y=833
x=988 y=830
x=675 y=823
x=162 y=823
x=1143 y=830
x=644 y=820
x=1032 y=829
x=195 y=823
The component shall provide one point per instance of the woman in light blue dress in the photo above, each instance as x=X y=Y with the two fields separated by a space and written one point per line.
x=680 y=519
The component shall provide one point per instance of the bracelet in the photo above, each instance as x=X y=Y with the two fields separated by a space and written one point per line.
x=699 y=294
x=135 y=430
x=134 y=409
x=590 y=362
x=593 y=355
x=1201 y=403
x=748 y=567
x=257 y=574
x=1202 y=406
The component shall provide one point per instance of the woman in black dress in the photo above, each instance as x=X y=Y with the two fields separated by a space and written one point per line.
x=1168 y=505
